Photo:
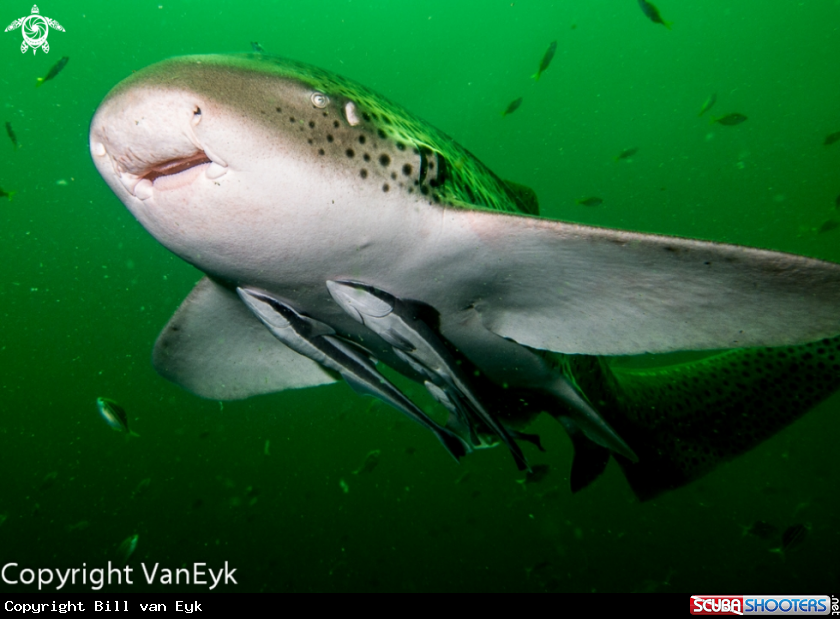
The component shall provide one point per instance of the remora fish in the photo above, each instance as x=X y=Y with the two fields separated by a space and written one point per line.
x=10 y=132
x=318 y=179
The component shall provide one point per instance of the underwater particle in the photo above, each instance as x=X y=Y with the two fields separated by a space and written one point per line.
x=652 y=13
x=730 y=120
x=55 y=70
x=837 y=201
x=3 y=518
x=410 y=451
x=546 y=60
x=590 y=201
x=127 y=548
x=49 y=480
x=369 y=463
x=11 y=135
x=7 y=194
x=828 y=225
x=197 y=504
x=344 y=487
x=204 y=434
x=831 y=138
x=114 y=415
x=514 y=105
x=627 y=153
x=537 y=473
x=141 y=488
x=710 y=102
x=761 y=529
x=465 y=477
x=266 y=448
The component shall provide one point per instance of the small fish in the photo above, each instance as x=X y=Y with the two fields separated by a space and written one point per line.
x=831 y=138
x=257 y=47
x=141 y=488
x=590 y=201
x=7 y=194
x=828 y=225
x=537 y=473
x=546 y=60
x=792 y=538
x=708 y=104
x=266 y=448
x=652 y=13
x=344 y=487
x=12 y=135
x=114 y=415
x=56 y=69
x=371 y=460
x=761 y=530
x=49 y=480
x=730 y=120
x=127 y=548
x=514 y=105
x=626 y=154
x=79 y=526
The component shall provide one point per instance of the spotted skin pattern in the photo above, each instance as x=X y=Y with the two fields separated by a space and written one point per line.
x=393 y=147
x=684 y=420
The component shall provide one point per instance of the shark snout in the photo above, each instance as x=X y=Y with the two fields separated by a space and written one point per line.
x=147 y=142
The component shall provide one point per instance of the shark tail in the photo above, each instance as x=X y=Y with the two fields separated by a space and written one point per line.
x=682 y=420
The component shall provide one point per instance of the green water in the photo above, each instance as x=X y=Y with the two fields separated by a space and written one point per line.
x=85 y=290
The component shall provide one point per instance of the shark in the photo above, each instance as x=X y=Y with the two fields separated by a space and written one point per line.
x=337 y=231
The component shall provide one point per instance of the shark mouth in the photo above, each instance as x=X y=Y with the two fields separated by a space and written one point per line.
x=177 y=173
x=172 y=174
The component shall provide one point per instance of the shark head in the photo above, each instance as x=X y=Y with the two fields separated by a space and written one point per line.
x=219 y=156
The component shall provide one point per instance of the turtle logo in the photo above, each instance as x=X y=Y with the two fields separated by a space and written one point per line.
x=35 y=29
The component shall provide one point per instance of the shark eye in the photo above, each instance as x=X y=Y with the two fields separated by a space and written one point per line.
x=319 y=99
x=196 y=115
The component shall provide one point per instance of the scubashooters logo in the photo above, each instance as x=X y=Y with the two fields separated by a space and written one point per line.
x=35 y=29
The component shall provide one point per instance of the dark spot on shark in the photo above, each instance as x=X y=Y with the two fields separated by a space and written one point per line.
x=335 y=124
x=366 y=157
x=400 y=146
x=384 y=160
x=310 y=141
x=386 y=188
x=363 y=173
x=424 y=190
x=278 y=109
x=386 y=119
x=407 y=169
x=311 y=124
x=320 y=151
x=329 y=138
x=393 y=175
x=366 y=116
x=381 y=134
x=350 y=153
x=292 y=119
x=362 y=139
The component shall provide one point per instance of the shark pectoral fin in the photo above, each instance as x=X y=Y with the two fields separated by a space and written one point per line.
x=214 y=347
x=526 y=198
x=578 y=289
x=588 y=421
x=589 y=459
